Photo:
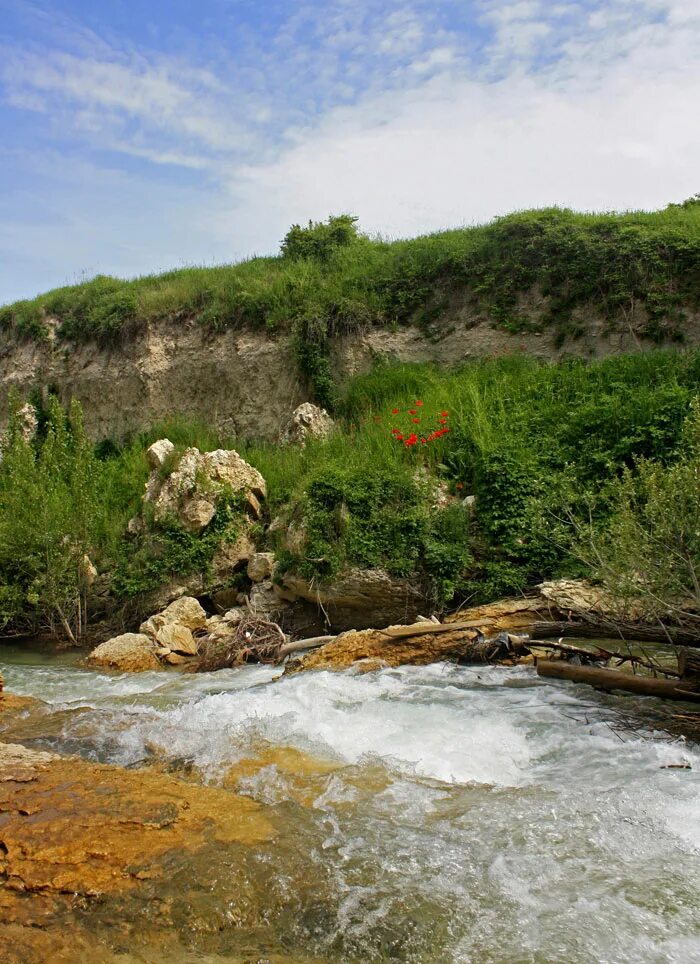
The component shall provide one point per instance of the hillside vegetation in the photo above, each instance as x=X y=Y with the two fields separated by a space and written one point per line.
x=330 y=279
x=577 y=469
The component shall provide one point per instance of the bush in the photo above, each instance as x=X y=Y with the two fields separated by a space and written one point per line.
x=320 y=239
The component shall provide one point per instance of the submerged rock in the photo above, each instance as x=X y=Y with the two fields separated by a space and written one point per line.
x=77 y=837
x=130 y=652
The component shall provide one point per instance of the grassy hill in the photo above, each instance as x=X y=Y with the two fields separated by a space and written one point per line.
x=330 y=279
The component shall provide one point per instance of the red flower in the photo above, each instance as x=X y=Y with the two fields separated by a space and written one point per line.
x=444 y=414
x=399 y=438
x=412 y=411
x=415 y=420
x=394 y=411
x=443 y=421
x=418 y=403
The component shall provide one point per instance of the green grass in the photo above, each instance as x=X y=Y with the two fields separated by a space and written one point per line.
x=539 y=446
x=609 y=264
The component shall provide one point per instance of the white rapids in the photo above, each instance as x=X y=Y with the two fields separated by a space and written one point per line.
x=470 y=815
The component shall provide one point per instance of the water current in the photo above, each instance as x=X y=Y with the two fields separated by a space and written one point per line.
x=438 y=813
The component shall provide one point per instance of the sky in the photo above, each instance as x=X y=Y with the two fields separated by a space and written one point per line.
x=142 y=135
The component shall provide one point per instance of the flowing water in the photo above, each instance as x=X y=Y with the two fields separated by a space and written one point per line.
x=427 y=814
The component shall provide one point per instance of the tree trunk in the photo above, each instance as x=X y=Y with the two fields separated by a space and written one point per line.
x=609 y=679
x=627 y=631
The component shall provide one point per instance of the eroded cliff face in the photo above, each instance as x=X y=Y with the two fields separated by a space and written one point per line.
x=247 y=383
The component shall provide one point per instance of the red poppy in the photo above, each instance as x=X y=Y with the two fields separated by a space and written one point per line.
x=442 y=421
x=394 y=411
x=415 y=421
x=444 y=414
x=399 y=438
x=412 y=411
x=419 y=402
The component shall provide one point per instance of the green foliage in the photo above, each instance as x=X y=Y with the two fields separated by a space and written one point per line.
x=167 y=550
x=363 y=516
x=49 y=511
x=319 y=239
x=533 y=270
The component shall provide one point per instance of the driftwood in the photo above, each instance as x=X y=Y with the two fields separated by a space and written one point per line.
x=627 y=631
x=689 y=665
x=423 y=629
x=312 y=642
x=609 y=679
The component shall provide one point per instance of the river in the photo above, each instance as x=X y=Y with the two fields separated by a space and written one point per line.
x=439 y=813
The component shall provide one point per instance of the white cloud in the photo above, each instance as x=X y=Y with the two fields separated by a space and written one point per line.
x=427 y=137
x=610 y=126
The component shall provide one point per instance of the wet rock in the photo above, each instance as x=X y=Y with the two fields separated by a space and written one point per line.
x=308 y=421
x=361 y=597
x=370 y=649
x=260 y=566
x=130 y=652
x=75 y=834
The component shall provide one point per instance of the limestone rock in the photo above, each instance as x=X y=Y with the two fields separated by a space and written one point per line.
x=264 y=600
x=306 y=422
x=362 y=597
x=178 y=639
x=158 y=453
x=370 y=649
x=130 y=652
x=260 y=566
x=185 y=612
x=231 y=556
x=192 y=490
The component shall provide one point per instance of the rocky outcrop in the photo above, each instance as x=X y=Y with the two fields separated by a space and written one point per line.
x=130 y=652
x=308 y=421
x=360 y=598
x=194 y=488
x=247 y=382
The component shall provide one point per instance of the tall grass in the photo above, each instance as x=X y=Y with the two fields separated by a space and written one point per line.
x=610 y=262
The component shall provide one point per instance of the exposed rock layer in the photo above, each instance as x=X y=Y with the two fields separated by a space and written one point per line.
x=247 y=383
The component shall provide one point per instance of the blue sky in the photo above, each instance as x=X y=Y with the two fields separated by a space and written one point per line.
x=142 y=136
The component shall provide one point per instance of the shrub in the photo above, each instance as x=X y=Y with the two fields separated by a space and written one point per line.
x=320 y=239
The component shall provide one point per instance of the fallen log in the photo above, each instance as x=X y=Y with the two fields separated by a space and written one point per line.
x=689 y=665
x=610 y=679
x=312 y=642
x=424 y=629
x=670 y=634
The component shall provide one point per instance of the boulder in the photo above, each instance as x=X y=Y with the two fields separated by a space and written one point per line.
x=265 y=600
x=306 y=422
x=158 y=453
x=260 y=566
x=130 y=652
x=361 y=597
x=193 y=489
x=174 y=628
